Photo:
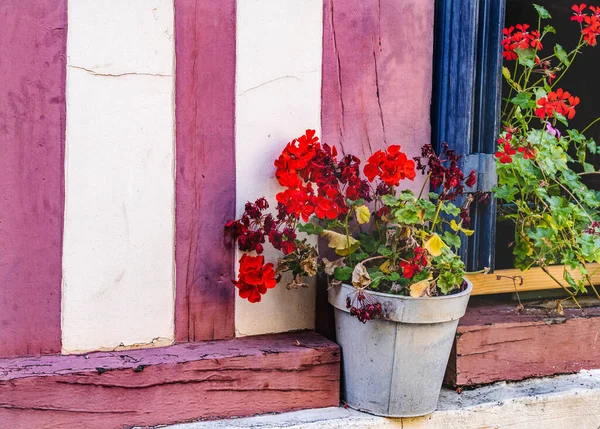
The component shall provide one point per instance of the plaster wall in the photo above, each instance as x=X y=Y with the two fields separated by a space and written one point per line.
x=278 y=96
x=118 y=277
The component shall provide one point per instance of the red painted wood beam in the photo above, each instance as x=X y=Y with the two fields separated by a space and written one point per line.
x=205 y=177
x=218 y=379
x=33 y=39
x=495 y=342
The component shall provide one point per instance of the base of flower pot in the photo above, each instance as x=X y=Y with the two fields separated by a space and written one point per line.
x=394 y=367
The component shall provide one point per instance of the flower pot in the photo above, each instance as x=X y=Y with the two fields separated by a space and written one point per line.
x=395 y=366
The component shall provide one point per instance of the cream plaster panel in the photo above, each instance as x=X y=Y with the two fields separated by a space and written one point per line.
x=279 y=48
x=118 y=276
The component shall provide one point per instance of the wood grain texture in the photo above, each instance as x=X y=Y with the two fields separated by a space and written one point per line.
x=495 y=342
x=32 y=140
x=533 y=279
x=184 y=382
x=377 y=66
x=205 y=177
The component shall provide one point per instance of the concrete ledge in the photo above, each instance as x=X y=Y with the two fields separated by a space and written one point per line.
x=562 y=402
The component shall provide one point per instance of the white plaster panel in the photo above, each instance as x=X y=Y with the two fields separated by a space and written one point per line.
x=278 y=96
x=118 y=250
x=121 y=36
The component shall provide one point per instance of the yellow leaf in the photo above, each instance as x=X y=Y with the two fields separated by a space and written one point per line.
x=434 y=245
x=458 y=227
x=385 y=267
x=343 y=245
x=506 y=73
x=363 y=215
x=419 y=289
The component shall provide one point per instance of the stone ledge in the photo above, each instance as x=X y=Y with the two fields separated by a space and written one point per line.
x=562 y=402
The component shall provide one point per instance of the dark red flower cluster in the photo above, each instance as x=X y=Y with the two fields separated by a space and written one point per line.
x=254 y=278
x=391 y=166
x=363 y=306
x=444 y=171
x=593 y=229
x=522 y=38
x=414 y=265
x=317 y=183
x=590 y=22
x=558 y=101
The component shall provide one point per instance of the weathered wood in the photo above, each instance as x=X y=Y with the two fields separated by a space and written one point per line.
x=496 y=342
x=533 y=279
x=184 y=382
x=33 y=39
x=205 y=178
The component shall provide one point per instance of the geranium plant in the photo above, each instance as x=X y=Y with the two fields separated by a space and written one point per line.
x=541 y=160
x=385 y=239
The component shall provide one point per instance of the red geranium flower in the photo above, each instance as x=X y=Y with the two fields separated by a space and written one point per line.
x=471 y=178
x=578 y=12
x=390 y=165
x=527 y=151
x=254 y=278
x=415 y=265
x=506 y=154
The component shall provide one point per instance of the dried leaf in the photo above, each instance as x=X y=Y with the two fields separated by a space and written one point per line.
x=434 y=245
x=344 y=245
x=296 y=283
x=419 y=289
x=559 y=308
x=330 y=266
x=363 y=215
x=360 y=277
x=309 y=265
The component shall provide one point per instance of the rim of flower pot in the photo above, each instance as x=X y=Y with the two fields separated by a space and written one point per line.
x=406 y=309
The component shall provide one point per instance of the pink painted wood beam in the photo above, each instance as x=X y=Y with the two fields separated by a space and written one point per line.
x=32 y=139
x=205 y=182
x=218 y=379
x=377 y=65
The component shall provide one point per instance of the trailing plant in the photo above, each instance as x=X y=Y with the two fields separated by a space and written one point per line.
x=384 y=239
x=541 y=159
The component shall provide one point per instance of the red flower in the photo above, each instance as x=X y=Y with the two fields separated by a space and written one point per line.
x=390 y=165
x=506 y=154
x=527 y=151
x=415 y=265
x=558 y=101
x=578 y=12
x=520 y=39
x=591 y=29
x=471 y=179
x=254 y=278
x=295 y=157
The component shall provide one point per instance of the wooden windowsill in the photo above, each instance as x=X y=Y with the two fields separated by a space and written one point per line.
x=533 y=279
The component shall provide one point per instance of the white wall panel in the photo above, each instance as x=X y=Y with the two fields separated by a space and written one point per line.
x=278 y=96
x=118 y=277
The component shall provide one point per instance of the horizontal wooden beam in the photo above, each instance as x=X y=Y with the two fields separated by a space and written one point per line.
x=533 y=279
x=496 y=342
x=216 y=379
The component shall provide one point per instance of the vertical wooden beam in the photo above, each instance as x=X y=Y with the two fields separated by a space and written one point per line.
x=205 y=177
x=32 y=140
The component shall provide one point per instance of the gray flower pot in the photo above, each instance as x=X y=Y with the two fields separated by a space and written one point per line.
x=395 y=366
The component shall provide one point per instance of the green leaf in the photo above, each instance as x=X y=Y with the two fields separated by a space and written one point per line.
x=542 y=12
x=450 y=209
x=309 y=228
x=433 y=195
x=384 y=251
x=343 y=274
x=451 y=239
x=588 y=168
x=408 y=215
x=526 y=56
x=561 y=54
x=549 y=29
x=389 y=200
x=561 y=119
x=394 y=277
x=523 y=100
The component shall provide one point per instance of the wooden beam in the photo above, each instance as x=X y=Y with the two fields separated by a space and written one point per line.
x=496 y=342
x=533 y=279
x=216 y=379
x=205 y=171
x=33 y=67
